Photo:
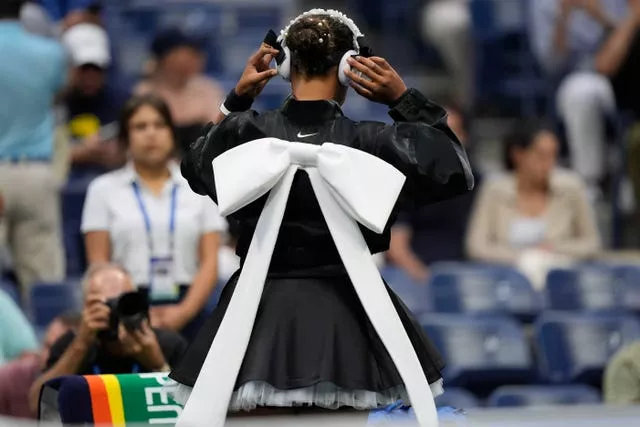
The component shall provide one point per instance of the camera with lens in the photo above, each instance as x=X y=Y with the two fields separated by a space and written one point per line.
x=129 y=309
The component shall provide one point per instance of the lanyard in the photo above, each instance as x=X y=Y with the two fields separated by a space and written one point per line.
x=147 y=219
x=134 y=370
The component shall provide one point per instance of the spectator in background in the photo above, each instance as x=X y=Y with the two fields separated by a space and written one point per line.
x=534 y=210
x=178 y=78
x=32 y=71
x=91 y=104
x=17 y=377
x=433 y=233
x=446 y=24
x=145 y=217
x=88 y=352
x=619 y=60
x=621 y=385
x=16 y=334
x=566 y=34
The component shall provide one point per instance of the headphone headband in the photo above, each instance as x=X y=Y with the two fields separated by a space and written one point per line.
x=355 y=31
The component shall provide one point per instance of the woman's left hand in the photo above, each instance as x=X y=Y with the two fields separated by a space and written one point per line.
x=169 y=317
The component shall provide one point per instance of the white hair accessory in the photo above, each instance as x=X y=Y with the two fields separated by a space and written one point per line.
x=284 y=68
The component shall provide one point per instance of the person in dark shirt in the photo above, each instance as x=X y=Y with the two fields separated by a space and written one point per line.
x=91 y=105
x=436 y=232
x=100 y=348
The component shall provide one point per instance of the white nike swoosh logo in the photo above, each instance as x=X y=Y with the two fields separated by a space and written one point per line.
x=300 y=135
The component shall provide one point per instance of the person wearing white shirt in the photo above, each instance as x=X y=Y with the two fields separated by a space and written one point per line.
x=145 y=217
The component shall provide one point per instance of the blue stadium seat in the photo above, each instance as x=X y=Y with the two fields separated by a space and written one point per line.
x=73 y=195
x=483 y=289
x=505 y=65
x=480 y=351
x=585 y=288
x=628 y=281
x=544 y=395
x=11 y=289
x=215 y=297
x=574 y=347
x=49 y=300
x=457 y=398
x=414 y=295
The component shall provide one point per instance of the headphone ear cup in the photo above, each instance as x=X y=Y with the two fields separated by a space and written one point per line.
x=284 y=67
x=344 y=80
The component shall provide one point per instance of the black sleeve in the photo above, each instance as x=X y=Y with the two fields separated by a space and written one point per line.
x=421 y=145
x=173 y=346
x=235 y=129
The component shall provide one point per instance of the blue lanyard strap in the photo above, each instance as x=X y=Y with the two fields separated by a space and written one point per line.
x=147 y=219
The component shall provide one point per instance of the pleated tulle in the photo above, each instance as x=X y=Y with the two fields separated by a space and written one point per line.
x=324 y=395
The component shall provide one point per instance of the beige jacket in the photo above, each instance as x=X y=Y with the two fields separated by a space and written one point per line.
x=571 y=225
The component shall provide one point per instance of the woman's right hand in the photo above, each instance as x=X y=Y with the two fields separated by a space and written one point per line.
x=257 y=73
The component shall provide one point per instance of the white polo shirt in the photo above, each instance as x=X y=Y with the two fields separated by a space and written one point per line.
x=111 y=205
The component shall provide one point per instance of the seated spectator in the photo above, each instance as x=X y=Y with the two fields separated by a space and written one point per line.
x=621 y=385
x=17 y=377
x=16 y=334
x=101 y=347
x=178 y=78
x=566 y=34
x=433 y=233
x=534 y=209
x=146 y=218
x=619 y=60
x=91 y=104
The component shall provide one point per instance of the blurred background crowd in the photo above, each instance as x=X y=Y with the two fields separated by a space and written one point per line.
x=529 y=285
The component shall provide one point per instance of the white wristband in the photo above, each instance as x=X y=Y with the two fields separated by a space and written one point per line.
x=224 y=109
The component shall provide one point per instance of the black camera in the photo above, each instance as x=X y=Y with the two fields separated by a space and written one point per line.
x=130 y=309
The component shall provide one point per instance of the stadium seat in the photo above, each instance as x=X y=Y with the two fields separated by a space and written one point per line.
x=628 y=282
x=544 y=395
x=586 y=288
x=457 y=398
x=480 y=351
x=73 y=195
x=49 y=300
x=413 y=294
x=483 y=289
x=576 y=347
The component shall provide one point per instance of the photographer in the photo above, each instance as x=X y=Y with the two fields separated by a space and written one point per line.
x=108 y=344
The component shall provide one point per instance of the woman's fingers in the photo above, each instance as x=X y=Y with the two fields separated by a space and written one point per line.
x=364 y=69
x=377 y=69
x=357 y=78
x=361 y=90
x=261 y=53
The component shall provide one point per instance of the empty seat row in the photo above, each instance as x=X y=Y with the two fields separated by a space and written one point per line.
x=489 y=351
x=477 y=288
x=522 y=395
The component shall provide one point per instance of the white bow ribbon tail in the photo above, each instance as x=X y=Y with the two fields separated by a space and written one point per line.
x=351 y=187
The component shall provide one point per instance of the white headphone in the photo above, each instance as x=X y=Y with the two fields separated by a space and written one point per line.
x=284 y=65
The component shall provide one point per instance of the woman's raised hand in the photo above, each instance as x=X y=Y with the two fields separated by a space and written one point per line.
x=257 y=73
x=375 y=79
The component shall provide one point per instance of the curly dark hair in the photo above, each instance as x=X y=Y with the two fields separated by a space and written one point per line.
x=317 y=43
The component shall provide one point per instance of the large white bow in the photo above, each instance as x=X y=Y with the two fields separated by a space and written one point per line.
x=351 y=186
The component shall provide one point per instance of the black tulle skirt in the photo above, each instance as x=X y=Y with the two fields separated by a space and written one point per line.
x=312 y=344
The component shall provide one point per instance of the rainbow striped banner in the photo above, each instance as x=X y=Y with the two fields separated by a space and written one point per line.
x=118 y=400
